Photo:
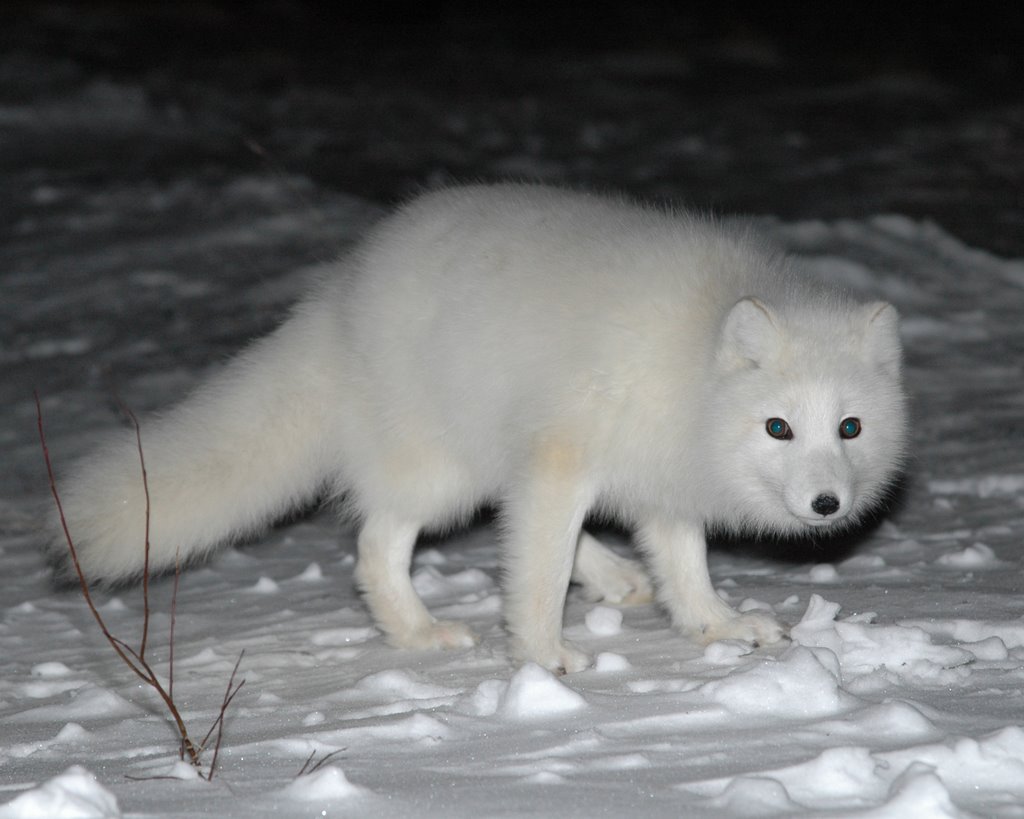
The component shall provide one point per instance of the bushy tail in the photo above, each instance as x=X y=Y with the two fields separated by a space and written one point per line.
x=247 y=447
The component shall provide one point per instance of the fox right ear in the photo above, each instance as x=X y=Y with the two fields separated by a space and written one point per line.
x=750 y=334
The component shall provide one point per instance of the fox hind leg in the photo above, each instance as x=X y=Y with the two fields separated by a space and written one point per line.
x=385 y=547
x=606 y=576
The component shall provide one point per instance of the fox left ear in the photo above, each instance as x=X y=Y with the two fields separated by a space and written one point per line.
x=882 y=336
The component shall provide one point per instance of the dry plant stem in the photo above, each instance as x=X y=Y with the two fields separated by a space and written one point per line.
x=152 y=778
x=134 y=660
x=174 y=612
x=229 y=695
x=307 y=769
x=305 y=765
x=145 y=564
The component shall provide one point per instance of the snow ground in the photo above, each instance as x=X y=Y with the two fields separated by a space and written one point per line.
x=140 y=248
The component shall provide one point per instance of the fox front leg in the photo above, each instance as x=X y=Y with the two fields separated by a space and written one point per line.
x=677 y=552
x=544 y=517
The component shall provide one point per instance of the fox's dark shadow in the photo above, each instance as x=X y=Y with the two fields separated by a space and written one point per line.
x=790 y=550
x=828 y=548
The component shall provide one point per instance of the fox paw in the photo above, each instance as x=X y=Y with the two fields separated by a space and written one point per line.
x=758 y=629
x=438 y=634
x=560 y=658
x=627 y=585
x=605 y=576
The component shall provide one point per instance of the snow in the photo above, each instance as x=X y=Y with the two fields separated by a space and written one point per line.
x=603 y=621
x=533 y=693
x=324 y=786
x=74 y=794
x=143 y=242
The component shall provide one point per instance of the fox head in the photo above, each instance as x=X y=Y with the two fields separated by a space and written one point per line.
x=808 y=419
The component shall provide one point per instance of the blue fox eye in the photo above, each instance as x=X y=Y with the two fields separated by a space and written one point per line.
x=849 y=428
x=778 y=428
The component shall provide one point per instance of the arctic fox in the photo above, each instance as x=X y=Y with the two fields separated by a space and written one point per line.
x=554 y=354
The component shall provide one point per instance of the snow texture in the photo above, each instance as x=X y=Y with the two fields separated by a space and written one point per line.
x=143 y=241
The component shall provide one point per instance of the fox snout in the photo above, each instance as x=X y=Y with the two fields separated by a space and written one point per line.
x=822 y=494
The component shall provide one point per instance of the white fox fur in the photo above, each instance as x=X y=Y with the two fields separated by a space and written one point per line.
x=557 y=354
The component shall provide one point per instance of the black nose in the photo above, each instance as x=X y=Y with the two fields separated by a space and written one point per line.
x=825 y=504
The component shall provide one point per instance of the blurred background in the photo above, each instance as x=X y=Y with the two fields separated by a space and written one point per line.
x=738 y=107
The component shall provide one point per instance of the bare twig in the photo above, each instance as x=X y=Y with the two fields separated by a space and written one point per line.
x=174 y=612
x=307 y=769
x=229 y=695
x=145 y=564
x=148 y=778
x=136 y=660
x=305 y=765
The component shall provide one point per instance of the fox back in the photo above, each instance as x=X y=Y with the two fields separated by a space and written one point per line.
x=489 y=317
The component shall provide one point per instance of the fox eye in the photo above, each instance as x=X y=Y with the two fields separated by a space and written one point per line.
x=778 y=428
x=849 y=428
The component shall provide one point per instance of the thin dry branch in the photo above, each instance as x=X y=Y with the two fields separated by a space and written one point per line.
x=174 y=614
x=229 y=695
x=145 y=563
x=136 y=659
x=308 y=769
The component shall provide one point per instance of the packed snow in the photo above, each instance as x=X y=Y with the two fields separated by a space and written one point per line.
x=900 y=694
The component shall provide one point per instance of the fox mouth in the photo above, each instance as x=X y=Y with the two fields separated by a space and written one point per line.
x=818 y=523
x=823 y=521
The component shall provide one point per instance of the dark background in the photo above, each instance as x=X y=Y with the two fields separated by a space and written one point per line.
x=844 y=110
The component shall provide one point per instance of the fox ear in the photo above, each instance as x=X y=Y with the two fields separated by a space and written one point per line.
x=750 y=334
x=882 y=336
